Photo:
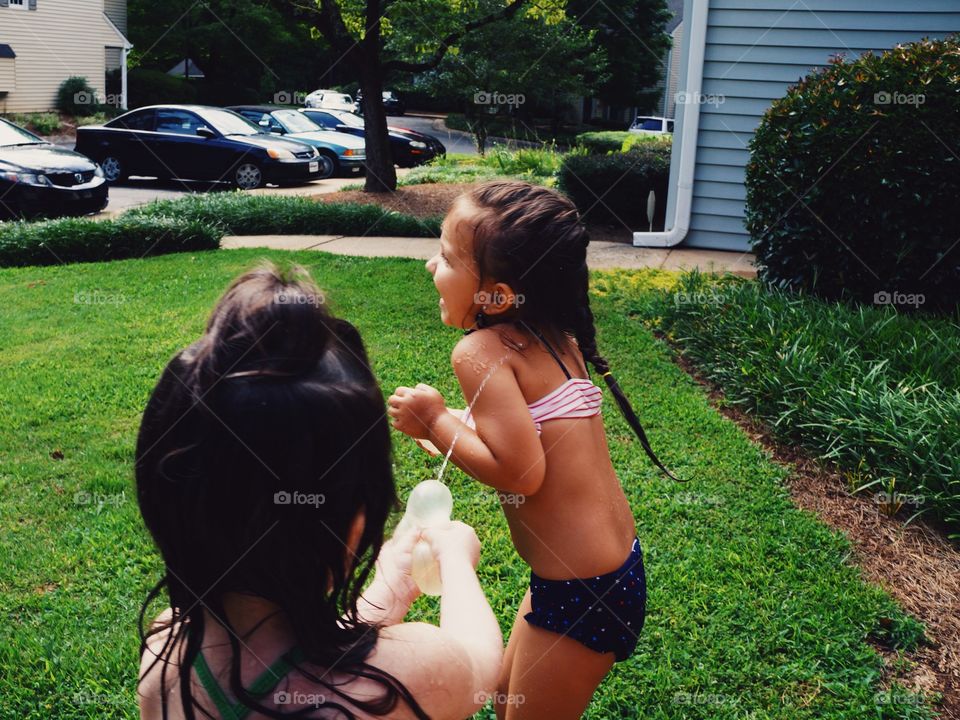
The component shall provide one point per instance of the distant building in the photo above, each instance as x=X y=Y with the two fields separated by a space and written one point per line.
x=43 y=42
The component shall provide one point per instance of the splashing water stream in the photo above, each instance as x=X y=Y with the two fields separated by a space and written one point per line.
x=430 y=503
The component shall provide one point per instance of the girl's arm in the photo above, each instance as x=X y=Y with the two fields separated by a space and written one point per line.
x=388 y=598
x=504 y=451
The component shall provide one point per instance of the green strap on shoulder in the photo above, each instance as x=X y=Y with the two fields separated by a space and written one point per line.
x=261 y=686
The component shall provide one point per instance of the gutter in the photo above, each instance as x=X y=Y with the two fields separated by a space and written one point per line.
x=696 y=44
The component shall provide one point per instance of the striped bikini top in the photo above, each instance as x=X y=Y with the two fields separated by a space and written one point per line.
x=576 y=398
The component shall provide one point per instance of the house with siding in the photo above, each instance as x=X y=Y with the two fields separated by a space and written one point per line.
x=43 y=42
x=737 y=57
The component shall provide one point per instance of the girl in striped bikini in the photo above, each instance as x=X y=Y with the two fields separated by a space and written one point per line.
x=511 y=272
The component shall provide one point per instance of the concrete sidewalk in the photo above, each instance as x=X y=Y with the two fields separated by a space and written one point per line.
x=600 y=255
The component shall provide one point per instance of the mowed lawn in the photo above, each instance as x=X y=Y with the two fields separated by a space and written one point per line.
x=753 y=609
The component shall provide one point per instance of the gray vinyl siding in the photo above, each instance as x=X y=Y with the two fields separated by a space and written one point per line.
x=756 y=49
x=116 y=10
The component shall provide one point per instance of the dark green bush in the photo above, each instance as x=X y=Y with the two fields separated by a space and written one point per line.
x=604 y=141
x=614 y=188
x=76 y=97
x=238 y=213
x=872 y=390
x=52 y=242
x=155 y=87
x=854 y=177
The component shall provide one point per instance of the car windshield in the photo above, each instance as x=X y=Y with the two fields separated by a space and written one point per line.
x=296 y=122
x=12 y=135
x=227 y=122
x=349 y=119
x=648 y=124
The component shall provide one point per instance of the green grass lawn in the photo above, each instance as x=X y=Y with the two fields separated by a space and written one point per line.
x=753 y=611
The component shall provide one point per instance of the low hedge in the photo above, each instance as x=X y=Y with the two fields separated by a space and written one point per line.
x=603 y=141
x=614 y=188
x=874 y=391
x=238 y=213
x=52 y=242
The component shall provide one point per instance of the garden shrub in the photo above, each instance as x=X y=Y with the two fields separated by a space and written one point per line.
x=853 y=180
x=67 y=240
x=76 y=97
x=614 y=188
x=605 y=141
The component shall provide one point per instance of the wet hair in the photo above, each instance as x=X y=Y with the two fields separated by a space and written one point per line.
x=277 y=397
x=532 y=239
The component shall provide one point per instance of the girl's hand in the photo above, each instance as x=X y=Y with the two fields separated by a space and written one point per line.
x=453 y=541
x=394 y=566
x=414 y=410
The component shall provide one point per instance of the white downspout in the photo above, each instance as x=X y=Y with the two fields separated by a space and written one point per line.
x=123 y=78
x=696 y=44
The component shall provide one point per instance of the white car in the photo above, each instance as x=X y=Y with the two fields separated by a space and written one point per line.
x=651 y=125
x=329 y=100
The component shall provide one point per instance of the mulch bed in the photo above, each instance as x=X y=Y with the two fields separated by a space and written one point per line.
x=434 y=199
x=914 y=563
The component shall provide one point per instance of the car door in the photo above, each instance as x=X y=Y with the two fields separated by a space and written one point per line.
x=177 y=149
x=125 y=139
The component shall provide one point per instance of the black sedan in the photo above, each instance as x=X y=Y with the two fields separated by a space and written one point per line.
x=38 y=178
x=410 y=148
x=195 y=142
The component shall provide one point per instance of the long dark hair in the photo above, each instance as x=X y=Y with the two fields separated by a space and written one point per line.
x=277 y=397
x=532 y=239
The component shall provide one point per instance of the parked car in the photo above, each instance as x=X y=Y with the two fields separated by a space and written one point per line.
x=410 y=148
x=37 y=178
x=392 y=104
x=651 y=125
x=196 y=142
x=339 y=152
x=330 y=99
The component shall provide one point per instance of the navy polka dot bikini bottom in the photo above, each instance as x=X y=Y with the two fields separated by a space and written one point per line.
x=604 y=612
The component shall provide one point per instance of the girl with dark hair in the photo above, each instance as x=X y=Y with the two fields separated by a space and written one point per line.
x=264 y=475
x=511 y=271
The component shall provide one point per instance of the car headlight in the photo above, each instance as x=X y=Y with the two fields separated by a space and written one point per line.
x=279 y=154
x=352 y=151
x=98 y=172
x=35 y=179
x=417 y=144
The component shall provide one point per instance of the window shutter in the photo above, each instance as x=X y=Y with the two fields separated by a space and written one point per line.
x=33 y=5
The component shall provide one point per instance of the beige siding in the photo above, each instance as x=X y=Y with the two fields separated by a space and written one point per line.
x=8 y=76
x=116 y=10
x=59 y=39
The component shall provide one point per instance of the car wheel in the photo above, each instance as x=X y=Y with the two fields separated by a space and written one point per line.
x=113 y=170
x=328 y=166
x=248 y=177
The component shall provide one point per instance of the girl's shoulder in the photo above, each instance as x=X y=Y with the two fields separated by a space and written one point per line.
x=489 y=345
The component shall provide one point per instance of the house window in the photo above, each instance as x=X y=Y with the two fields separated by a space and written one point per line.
x=18 y=4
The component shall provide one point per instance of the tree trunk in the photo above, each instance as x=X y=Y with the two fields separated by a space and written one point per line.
x=381 y=175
